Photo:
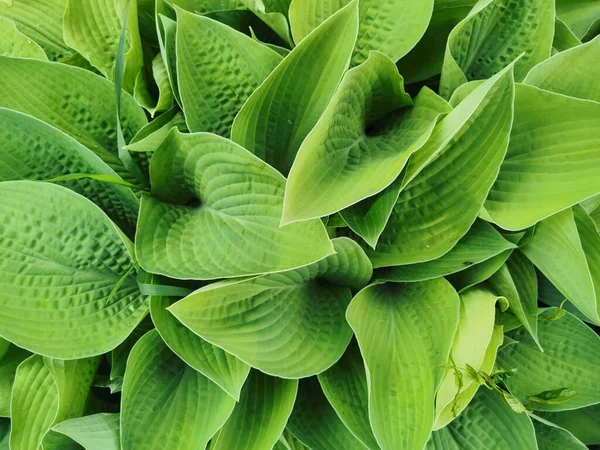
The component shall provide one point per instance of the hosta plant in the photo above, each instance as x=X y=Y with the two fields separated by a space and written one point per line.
x=299 y=224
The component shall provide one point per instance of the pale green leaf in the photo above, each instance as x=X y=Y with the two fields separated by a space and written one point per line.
x=160 y=77
x=166 y=403
x=494 y=34
x=447 y=181
x=361 y=143
x=315 y=423
x=238 y=195
x=149 y=138
x=552 y=437
x=84 y=108
x=580 y=15
x=218 y=68
x=8 y=367
x=288 y=324
x=167 y=38
x=95 y=432
x=281 y=112
x=571 y=360
x=584 y=423
x=345 y=386
x=15 y=43
x=405 y=332
x=552 y=160
x=213 y=362
x=564 y=38
x=261 y=414
x=488 y=423
x=274 y=14
x=57 y=290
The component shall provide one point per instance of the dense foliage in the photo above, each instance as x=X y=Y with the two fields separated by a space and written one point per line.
x=299 y=224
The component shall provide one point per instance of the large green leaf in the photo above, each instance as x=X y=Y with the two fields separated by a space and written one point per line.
x=493 y=34
x=93 y=28
x=261 y=414
x=569 y=72
x=571 y=360
x=552 y=159
x=60 y=259
x=315 y=423
x=517 y=282
x=564 y=249
x=582 y=16
x=447 y=181
x=84 y=108
x=481 y=243
x=218 y=69
x=234 y=230
x=345 y=386
x=475 y=344
x=564 y=38
x=41 y=21
x=15 y=43
x=552 y=437
x=221 y=367
x=8 y=367
x=95 y=432
x=405 y=332
x=487 y=423
x=288 y=324
x=584 y=423
x=33 y=150
x=281 y=112
x=166 y=403
x=392 y=27
x=361 y=143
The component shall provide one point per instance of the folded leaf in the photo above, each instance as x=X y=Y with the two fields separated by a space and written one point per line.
x=570 y=360
x=288 y=324
x=405 y=332
x=447 y=181
x=478 y=273
x=361 y=143
x=160 y=77
x=8 y=368
x=487 y=423
x=83 y=108
x=218 y=69
x=95 y=432
x=584 y=423
x=564 y=38
x=260 y=416
x=234 y=230
x=580 y=15
x=281 y=112
x=166 y=403
x=213 y=362
x=551 y=437
x=274 y=14
x=315 y=423
x=552 y=159
x=60 y=297
x=345 y=386
x=495 y=33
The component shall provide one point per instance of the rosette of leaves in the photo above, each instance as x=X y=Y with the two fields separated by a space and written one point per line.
x=299 y=224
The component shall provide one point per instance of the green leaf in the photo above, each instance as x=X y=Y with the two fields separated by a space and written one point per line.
x=166 y=403
x=95 y=432
x=288 y=324
x=481 y=243
x=564 y=38
x=224 y=369
x=486 y=423
x=580 y=15
x=118 y=356
x=553 y=396
x=281 y=112
x=274 y=14
x=58 y=154
x=551 y=162
x=478 y=273
x=551 y=437
x=564 y=249
x=405 y=333
x=361 y=143
x=345 y=386
x=493 y=34
x=315 y=423
x=571 y=360
x=8 y=367
x=238 y=195
x=56 y=294
x=475 y=345
x=447 y=181
x=584 y=423
x=517 y=282
x=42 y=22
x=568 y=72
x=83 y=108
x=392 y=27
x=167 y=38
x=218 y=69
x=160 y=77
x=261 y=414
x=149 y=138
x=15 y=43
x=93 y=28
